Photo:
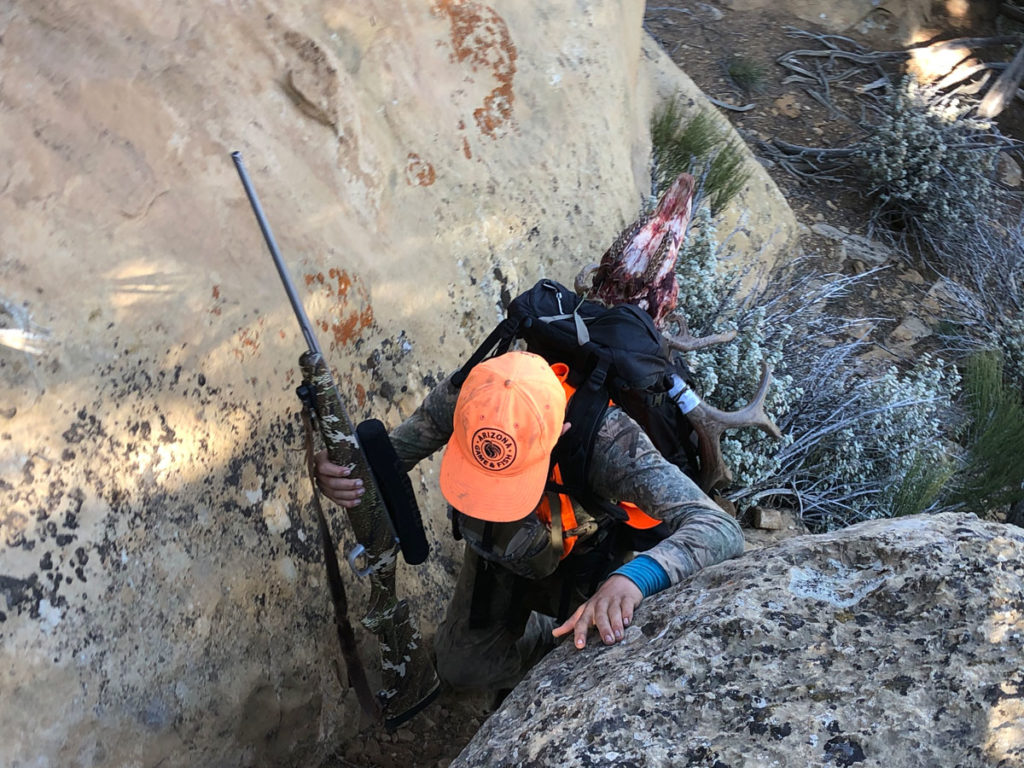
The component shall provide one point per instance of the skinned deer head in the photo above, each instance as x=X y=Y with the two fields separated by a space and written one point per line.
x=639 y=268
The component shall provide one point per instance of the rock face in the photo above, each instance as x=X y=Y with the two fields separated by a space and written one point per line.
x=890 y=643
x=162 y=598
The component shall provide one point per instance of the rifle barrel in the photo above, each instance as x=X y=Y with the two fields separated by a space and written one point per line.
x=282 y=270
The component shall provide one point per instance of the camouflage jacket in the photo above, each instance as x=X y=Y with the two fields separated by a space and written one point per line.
x=625 y=466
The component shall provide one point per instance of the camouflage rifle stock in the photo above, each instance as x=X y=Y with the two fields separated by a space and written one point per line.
x=409 y=682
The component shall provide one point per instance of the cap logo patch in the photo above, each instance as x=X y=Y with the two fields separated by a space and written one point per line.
x=493 y=449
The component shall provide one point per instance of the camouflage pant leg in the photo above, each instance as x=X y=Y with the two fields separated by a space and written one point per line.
x=499 y=653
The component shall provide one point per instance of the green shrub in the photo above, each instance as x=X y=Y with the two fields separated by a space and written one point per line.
x=920 y=489
x=930 y=170
x=746 y=73
x=993 y=469
x=698 y=146
x=852 y=433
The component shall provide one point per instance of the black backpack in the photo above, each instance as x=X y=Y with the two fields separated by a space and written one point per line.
x=612 y=352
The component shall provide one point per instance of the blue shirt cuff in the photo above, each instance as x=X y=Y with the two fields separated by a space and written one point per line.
x=645 y=572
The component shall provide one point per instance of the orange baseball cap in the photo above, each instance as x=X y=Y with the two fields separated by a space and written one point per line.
x=508 y=417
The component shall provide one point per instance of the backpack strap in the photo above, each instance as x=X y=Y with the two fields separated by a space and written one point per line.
x=496 y=343
x=573 y=451
x=578 y=321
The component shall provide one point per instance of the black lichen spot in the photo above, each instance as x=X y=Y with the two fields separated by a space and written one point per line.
x=46 y=562
x=702 y=756
x=843 y=751
x=757 y=725
x=506 y=295
x=900 y=683
x=202 y=380
x=788 y=620
x=1009 y=689
x=21 y=593
x=168 y=435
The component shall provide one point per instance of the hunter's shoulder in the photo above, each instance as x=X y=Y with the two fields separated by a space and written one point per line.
x=428 y=428
x=622 y=446
x=618 y=430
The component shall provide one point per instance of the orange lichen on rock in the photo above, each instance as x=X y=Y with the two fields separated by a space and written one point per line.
x=217 y=303
x=481 y=39
x=342 y=279
x=337 y=285
x=249 y=340
x=418 y=172
x=347 y=329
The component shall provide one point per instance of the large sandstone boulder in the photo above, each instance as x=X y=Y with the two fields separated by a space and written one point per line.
x=891 y=643
x=162 y=598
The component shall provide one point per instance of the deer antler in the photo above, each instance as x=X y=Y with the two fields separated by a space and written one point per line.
x=684 y=342
x=710 y=423
x=582 y=282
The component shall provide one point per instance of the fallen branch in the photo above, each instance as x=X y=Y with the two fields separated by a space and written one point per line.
x=733 y=107
x=1005 y=88
x=1012 y=11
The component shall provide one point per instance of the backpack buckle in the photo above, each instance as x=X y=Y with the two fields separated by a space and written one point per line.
x=597 y=377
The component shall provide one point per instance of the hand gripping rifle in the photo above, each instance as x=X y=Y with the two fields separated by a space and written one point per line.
x=386 y=520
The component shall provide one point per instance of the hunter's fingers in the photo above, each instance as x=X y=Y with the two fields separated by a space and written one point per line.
x=325 y=467
x=582 y=626
x=608 y=619
x=609 y=611
x=574 y=622
x=336 y=484
x=628 y=606
x=347 y=493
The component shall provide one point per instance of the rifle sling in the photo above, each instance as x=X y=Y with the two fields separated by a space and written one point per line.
x=346 y=635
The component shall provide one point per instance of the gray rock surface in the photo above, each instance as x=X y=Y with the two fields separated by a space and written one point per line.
x=890 y=643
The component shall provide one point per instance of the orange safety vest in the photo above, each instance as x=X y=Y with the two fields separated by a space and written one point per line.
x=636 y=518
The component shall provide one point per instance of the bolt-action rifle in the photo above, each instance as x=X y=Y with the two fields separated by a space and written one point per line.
x=385 y=521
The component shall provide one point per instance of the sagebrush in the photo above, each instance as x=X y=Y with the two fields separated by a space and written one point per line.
x=853 y=434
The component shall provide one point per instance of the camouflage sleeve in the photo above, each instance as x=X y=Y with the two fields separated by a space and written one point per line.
x=627 y=467
x=428 y=428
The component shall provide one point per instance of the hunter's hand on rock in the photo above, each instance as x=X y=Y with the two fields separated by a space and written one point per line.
x=610 y=610
x=336 y=483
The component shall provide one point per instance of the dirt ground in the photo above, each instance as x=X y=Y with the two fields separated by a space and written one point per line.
x=708 y=41
x=703 y=39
